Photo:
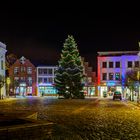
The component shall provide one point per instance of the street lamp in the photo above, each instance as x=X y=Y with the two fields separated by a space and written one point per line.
x=8 y=85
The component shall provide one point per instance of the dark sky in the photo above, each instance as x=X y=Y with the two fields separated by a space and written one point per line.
x=38 y=30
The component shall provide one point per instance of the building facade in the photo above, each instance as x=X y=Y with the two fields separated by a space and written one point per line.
x=112 y=68
x=89 y=79
x=2 y=68
x=45 y=80
x=23 y=78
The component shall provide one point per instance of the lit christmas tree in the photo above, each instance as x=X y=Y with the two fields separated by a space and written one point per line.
x=69 y=75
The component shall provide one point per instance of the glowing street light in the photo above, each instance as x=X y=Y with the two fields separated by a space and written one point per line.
x=8 y=81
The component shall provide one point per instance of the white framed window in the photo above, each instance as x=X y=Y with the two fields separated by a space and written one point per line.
x=29 y=70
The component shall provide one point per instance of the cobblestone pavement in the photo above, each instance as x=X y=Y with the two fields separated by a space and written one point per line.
x=81 y=119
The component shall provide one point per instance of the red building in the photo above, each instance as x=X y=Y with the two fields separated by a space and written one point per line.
x=89 y=80
x=23 y=78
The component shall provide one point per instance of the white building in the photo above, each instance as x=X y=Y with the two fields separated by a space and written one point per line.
x=112 y=68
x=45 y=80
x=2 y=66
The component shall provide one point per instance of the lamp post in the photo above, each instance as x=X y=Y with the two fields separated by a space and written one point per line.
x=8 y=85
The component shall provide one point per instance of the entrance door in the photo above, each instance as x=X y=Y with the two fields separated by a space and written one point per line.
x=22 y=91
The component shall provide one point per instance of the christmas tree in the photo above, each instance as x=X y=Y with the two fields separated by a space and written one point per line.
x=69 y=74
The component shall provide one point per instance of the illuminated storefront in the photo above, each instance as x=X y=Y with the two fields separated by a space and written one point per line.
x=45 y=90
x=112 y=68
x=45 y=81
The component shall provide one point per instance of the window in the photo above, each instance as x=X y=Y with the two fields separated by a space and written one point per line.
x=16 y=79
x=40 y=80
x=29 y=81
x=117 y=76
x=50 y=80
x=89 y=79
x=129 y=64
x=22 y=79
x=110 y=76
x=110 y=64
x=29 y=70
x=40 y=71
x=45 y=80
x=49 y=71
x=117 y=64
x=137 y=64
x=45 y=71
x=104 y=75
x=2 y=65
x=29 y=89
x=22 y=69
x=104 y=64
x=16 y=70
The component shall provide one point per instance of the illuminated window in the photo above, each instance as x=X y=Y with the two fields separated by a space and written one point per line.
x=137 y=64
x=129 y=64
x=29 y=89
x=104 y=64
x=29 y=70
x=16 y=79
x=29 y=81
x=89 y=79
x=111 y=76
x=110 y=64
x=16 y=70
x=117 y=76
x=117 y=64
x=104 y=76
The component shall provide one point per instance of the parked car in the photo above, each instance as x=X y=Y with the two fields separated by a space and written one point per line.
x=117 y=95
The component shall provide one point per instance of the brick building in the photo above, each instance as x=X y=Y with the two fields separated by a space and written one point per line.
x=23 y=78
x=89 y=80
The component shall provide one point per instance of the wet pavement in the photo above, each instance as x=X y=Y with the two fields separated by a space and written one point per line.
x=92 y=118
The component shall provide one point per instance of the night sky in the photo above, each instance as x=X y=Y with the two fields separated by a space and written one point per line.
x=38 y=31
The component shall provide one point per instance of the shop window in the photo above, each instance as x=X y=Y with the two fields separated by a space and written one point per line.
x=29 y=89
